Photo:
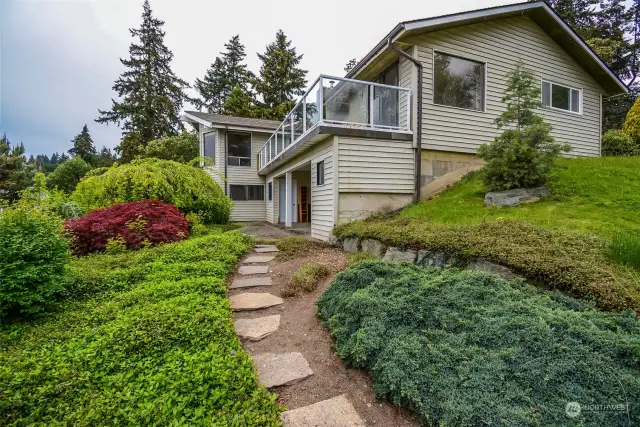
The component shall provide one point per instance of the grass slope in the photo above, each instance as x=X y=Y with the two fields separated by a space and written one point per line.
x=563 y=242
x=594 y=195
x=463 y=348
x=145 y=338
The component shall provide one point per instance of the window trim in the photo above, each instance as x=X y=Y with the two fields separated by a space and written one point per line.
x=233 y=132
x=485 y=65
x=215 y=144
x=246 y=192
x=324 y=181
x=551 y=82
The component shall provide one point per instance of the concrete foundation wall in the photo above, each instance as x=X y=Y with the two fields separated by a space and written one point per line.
x=353 y=206
x=436 y=164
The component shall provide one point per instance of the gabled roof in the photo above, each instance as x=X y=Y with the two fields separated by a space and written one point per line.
x=540 y=12
x=219 y=120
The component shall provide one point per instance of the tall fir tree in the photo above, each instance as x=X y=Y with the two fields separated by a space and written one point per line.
x=151 y=95
x=83 y=146
x=240 y=104
x=281 y=78
x=225 y=73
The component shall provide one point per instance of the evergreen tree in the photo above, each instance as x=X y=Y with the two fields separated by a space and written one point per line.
x=105 y=158
x=280 y=78
x=226 y=72
x=15 y=173
x=240 y=104
x=151 y=95
x=83 y=146
x=350 y=65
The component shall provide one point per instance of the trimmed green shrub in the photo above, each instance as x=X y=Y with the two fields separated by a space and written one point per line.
x=148 y=340
x=306 y=279
x=463 y=348
x=67 y=175
x=189 y=188
x=356 y=257
x=521 y=157
x=180 y=148
x=33 y=255
x=69 y=210
x=617 y=143
x=564 y=260
x=631 y=125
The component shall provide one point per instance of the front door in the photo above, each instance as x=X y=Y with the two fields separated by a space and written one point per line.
x=282 y=200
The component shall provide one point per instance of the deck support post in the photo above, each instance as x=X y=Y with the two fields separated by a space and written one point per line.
x=288 y=200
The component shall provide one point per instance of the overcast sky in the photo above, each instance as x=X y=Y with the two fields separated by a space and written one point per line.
x=59 y=58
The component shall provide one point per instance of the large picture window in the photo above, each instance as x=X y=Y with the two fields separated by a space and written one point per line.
x=210 y=145
x=458 y=82
x=246 y=192
x=561 y=97
x=239 y=149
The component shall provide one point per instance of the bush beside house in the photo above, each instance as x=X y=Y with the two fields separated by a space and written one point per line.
x=190 y=189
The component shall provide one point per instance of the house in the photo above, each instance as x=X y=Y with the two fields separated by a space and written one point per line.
x=414 y=110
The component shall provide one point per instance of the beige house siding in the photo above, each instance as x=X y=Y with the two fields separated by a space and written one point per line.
x=500 y=44
x=404 y=80
x=375 y=165
x=322 y=199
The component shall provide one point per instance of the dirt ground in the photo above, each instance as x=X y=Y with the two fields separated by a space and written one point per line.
x=264 y=230
x=300 y=330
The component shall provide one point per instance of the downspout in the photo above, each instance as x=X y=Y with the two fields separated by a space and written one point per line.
x=226 y=154
x=418 y=155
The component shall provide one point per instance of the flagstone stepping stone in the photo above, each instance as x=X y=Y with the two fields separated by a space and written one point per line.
x=263 y=246
x=335 y=412
x=259 y=258
x=245 y=270
x=267 y=249
x=256 y=329
x=281 y=369
x=250 y=282
x=253 y=301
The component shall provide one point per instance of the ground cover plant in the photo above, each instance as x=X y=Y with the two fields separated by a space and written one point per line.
x=129 y=225
x=295 y=246
x=464 y=348
x=143 y=338
x=305 y=279
x=189 y=188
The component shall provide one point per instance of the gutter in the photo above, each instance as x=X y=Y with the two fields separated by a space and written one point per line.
x=418 y=154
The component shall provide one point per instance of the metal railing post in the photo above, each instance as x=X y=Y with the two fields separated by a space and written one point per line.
x=320 y=99
x=371 y=89
x=304 y=114
x=292 y=125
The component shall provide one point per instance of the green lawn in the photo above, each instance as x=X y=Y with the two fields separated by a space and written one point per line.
x=575 y=241
x=142 y=338
x=596 y=195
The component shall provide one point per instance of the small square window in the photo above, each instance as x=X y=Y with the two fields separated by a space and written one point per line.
x=320 y=173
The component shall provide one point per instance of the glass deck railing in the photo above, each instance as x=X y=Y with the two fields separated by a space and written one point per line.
x=340 y=102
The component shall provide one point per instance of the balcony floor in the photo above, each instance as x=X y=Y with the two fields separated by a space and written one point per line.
x=321 y=131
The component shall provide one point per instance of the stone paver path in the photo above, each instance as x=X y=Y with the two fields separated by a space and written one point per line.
x=265 y=249
x=257 y=329
x=247 y=270
x=281 y=369
x=258 y=259
x=254 y=301
x=335 y=412
x=249 y=282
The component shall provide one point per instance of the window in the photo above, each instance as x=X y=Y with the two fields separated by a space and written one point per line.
x=270 y=191
x=458 y=82
x=320 y=173
x=561 y=97
x=210 y=145
x=239 y=149
x=246 y=192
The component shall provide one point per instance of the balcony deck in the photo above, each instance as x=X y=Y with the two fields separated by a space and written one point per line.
x=338 y=106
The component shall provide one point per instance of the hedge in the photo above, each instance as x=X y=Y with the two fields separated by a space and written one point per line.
x=571 y=262
x=190 y=189
x=147 y=338
x=463 y=348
